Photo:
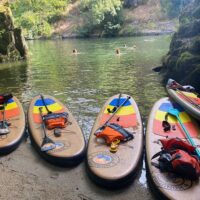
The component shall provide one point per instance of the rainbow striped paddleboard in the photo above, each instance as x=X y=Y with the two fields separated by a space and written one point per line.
x=188 y=100
x=116 y=169
x=168 y=185
x=68 y=143
x=14 y=116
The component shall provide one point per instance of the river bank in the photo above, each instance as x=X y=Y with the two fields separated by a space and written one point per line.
x=136 y=34
x=145 y=20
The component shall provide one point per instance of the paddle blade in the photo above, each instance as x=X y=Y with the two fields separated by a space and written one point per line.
x=174 y=112
x=4 y=131
x=47 y=147
x=47 y=144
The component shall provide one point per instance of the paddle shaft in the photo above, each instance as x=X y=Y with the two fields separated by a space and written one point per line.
x=3 y=117
x=43 y=125
x=43 y=101
x=46 y=139
x=118 y=102
x=116 y=111
x=188 y=136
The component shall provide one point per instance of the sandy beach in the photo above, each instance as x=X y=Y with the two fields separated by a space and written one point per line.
x=25 y=175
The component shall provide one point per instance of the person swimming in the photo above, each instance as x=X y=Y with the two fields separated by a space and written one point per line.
x=117 y=51
x=75 y=51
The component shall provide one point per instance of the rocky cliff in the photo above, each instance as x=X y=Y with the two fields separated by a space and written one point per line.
x=182 y=62
x=12 y=43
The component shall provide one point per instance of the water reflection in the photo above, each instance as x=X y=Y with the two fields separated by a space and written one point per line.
x=13 y=78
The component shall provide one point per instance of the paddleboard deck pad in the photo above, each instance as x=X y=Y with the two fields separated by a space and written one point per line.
x=69 y=145
x=169 y=185
x=14 y=116
x=109 y=169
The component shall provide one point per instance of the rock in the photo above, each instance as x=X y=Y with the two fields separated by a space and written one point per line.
x=20 y=43
x=13 y=46
x=182 y=62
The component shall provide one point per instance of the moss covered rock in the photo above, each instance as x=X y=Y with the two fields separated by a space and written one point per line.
x=182 y=62
x=13 y=46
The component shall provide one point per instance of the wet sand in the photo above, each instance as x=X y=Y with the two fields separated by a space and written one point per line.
x=25 y=175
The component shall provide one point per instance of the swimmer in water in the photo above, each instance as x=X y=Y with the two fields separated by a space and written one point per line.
x=75 y=51
x=117 y=51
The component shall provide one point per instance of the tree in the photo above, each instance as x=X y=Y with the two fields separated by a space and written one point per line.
x=103 y=14
x=36 y=16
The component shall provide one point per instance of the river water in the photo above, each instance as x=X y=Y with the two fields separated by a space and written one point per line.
x=85 y=81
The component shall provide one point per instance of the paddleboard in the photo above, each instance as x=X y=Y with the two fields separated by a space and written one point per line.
x=188 y=100
x=169 y=185
x=69 y=146
x=116 y=169
x=14 y=116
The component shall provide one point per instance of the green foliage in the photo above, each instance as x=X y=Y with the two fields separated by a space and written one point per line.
x=104 y=15
x=36 y=16
x=128 y=30
x=173 y=7
x=133 y=3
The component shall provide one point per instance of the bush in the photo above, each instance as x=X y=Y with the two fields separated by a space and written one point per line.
x=104 y=15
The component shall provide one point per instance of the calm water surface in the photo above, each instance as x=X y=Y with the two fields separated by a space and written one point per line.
x=85 y=81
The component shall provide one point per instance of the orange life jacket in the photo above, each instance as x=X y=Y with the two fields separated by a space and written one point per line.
x=179 y=157
x=55 y=120
x=112 y=132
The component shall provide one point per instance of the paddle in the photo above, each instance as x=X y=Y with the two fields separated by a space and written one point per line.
x=174 y=112
x=4 y=124
x=43 y=101
x=47 y=143
x=115 y=107
x=128 y=97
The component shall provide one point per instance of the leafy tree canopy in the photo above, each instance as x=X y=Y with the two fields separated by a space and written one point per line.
x=35 y=16
x=103 y=14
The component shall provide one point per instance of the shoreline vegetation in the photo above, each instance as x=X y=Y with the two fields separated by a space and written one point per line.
x=139 y=34
x=94 y=18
